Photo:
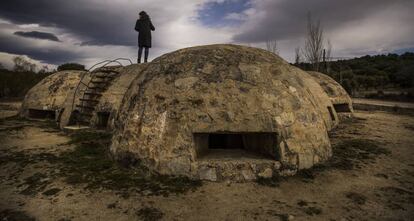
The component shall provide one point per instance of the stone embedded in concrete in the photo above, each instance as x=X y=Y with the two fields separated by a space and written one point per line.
x=156 y=109
x=207 y=173
x=267 y=173
x=51 y=92
x=223 y=88
x=184 y=83
x=111 y=98
x=335 y=91
x=248 y=175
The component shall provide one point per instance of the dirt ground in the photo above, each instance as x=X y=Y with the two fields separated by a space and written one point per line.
x=9 y=108
x=48 y=175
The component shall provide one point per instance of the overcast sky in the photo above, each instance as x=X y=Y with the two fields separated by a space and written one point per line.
x=88 y=31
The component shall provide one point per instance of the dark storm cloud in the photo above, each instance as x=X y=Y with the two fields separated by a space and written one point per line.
x=37 y=35
x=95 y=22
x=50 y=55
x=284 y=19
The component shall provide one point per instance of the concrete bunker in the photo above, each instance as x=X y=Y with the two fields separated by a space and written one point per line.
x=46 y=99
x=187 y=103
x=340 y=99
x=96 y=102
x=319 y=98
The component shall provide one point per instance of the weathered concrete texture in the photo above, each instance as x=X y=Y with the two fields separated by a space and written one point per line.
x=50 y=93
x=226 y=89
x=72 y=100
x=323 y=102
x=336 y=93
x=111 y=99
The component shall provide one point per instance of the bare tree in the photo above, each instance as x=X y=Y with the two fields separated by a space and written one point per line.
x=271 y=45
x=313 y=49
x=21 y=64
x=298 y=57
x=44 y=69
x=328 y=56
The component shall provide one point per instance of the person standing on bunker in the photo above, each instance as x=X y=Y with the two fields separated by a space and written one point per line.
x=144 y=27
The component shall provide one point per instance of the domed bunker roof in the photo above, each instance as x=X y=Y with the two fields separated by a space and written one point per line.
x=323 y=103
x=221 y=112
x=339 y=97
x=48 y=96
x=99 y=97
x=110 y=101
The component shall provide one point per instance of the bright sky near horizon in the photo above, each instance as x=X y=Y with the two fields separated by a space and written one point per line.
x=88 y=31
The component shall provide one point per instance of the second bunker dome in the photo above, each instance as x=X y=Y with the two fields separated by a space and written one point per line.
x=221 y=112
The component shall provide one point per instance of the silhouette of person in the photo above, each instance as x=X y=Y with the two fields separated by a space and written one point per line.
x=144 y=27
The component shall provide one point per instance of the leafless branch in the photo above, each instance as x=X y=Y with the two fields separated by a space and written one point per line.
x=298 y=57
x=271 y=45
x=313 y=49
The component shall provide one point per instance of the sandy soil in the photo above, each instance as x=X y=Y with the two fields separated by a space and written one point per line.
x=8 y=109
x=373 y=185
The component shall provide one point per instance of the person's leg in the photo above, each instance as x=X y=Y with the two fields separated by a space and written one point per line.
x=139 y=54
x=146 y=54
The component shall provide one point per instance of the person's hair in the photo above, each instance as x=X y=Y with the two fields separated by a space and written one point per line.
x=144 y=15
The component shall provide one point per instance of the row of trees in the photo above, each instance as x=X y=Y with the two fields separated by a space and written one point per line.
x=368 y=72
x=25 y=74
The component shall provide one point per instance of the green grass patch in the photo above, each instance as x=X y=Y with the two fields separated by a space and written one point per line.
x=150 y=214
x=51 y=192
x=16 y=122
x=270 y=182
x=35 y=183
x=14 y=215
x=353 y=153
x=356 y=198
x=347 y=155
x=90 y=163
x=11 y=118
x=312 y=210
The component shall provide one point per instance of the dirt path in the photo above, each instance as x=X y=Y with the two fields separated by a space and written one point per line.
x=8 y=109
x=370 y=177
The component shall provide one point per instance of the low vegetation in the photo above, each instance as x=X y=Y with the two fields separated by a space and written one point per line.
x=16 y=82
x=348 y=154
x=13 y=215
x=377 y=73
x=353 y=153
x=90 y=165
x=149 y=214
x=71 y=66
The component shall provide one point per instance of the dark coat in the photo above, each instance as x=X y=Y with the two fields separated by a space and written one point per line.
x=144 y=27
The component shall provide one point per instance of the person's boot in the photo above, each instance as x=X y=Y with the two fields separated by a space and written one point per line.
x=138 y=61
x=145 y=61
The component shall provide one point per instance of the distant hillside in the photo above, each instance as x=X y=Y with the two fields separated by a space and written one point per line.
x=15 y=84
x=379 y=72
